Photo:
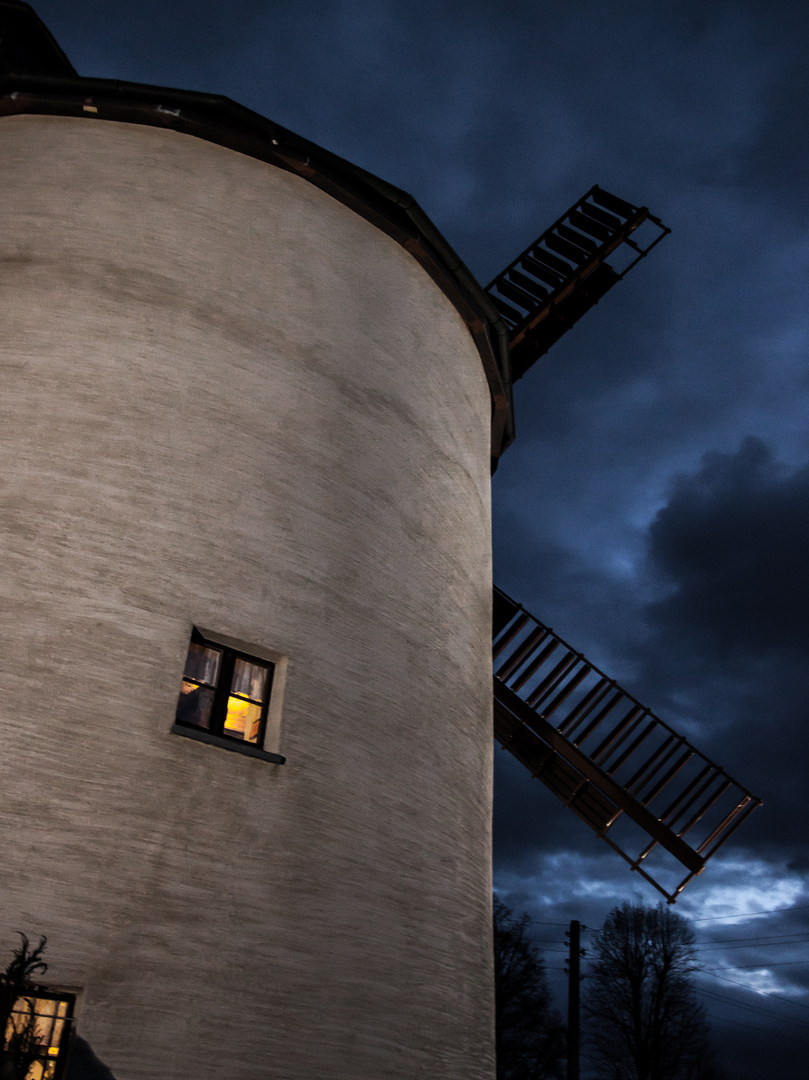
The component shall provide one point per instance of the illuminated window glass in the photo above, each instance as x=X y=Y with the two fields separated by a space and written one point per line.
x=38 y=1032
x=224 y=692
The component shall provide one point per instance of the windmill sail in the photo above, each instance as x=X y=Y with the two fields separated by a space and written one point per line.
x=563 y=273
x=609 y=758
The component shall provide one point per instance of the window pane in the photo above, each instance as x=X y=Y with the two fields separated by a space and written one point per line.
x=47 y=1006
x=202 y=664
x=44 y=1019
x=243 y=719
x=249 y=680
x=195 y=704
x=46 y=1024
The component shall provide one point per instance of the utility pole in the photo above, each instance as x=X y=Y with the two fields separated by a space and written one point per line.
x=574 y=978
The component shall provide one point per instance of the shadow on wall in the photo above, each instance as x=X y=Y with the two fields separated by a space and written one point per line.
x=84 y=1065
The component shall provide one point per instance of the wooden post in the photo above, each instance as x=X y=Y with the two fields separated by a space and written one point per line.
x=574 y=979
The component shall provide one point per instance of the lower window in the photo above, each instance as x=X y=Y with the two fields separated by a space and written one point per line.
x=38 y=1033
x=225 y=692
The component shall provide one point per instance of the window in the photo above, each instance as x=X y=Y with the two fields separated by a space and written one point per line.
x=38 y=1033
x=225 y=696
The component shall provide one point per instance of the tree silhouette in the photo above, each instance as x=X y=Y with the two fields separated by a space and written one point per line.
x=644 y=1019
x=530 y=1038
x=20 y=1045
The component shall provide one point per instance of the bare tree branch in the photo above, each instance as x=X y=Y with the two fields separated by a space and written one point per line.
x=644 y=1019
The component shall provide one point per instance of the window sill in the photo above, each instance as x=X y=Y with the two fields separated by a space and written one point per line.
x=226 y=744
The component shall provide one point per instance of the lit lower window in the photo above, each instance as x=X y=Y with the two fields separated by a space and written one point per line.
x=224 y=692
x=37 y=1034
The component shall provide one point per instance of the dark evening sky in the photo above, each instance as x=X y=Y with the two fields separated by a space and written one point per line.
x=654 y=508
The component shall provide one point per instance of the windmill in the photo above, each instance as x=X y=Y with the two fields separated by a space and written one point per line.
x=251 y=401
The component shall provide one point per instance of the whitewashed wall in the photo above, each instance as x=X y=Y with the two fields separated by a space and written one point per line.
x=226 y=400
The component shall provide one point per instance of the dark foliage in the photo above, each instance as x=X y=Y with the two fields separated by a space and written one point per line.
x=530 y=1038
x=644 y=1021
x=19 y=1044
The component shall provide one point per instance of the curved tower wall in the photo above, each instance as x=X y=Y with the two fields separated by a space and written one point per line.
x=230 y=402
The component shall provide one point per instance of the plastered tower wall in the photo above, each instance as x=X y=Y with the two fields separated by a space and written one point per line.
x=230 y=402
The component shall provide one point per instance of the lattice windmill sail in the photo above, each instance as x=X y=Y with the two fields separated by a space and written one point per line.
x=606 y=756
x=636 y=782
x=565 y=272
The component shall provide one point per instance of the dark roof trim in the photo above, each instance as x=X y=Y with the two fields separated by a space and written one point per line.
x=26 y=44
x=222 y=121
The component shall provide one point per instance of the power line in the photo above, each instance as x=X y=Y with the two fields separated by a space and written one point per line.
x=757 y=1009
x=752 y=1025
x=751 y=945
x=759 y=967
x=759 y=945
x=761 y=940
x=748 y=914
x=753 y=990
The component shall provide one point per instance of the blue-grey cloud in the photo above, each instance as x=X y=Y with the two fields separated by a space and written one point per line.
x=734 y=538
